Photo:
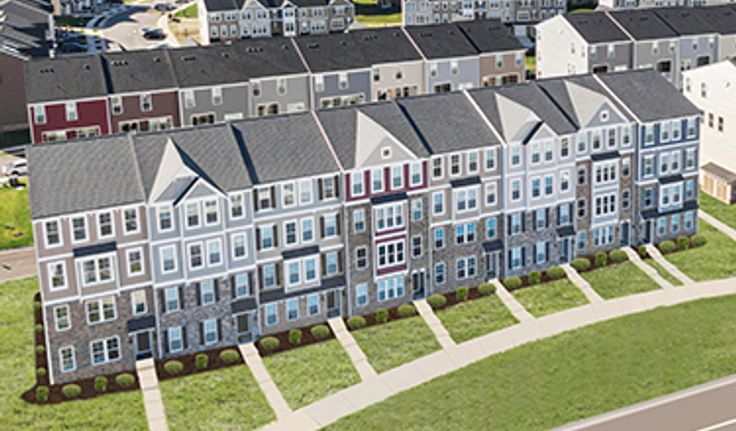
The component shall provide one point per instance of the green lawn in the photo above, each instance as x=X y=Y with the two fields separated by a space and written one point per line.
x=571 y=376
x=663 y=272
x=716 y=259
x=550 y=297
x=582 y=10
x=188 y=12
x=310 y=373
x=531 y=63
x=15 y=218
x=619 y=280
x=474 y=318
x=395 y=343
x=224 y=399
x=723 y=212
x=122 y=411
x=368 y=13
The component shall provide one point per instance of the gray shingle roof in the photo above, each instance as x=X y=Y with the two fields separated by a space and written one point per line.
x=340 y=126
x=269 y=57
x=283 y=147
x=83 y=175
x=220 y=64
x=643 y=24
x=490 y=35
x=64 y=78
x=648 y=94
x=721 y=18
x=137 y=71
x=684 y=21
x=447 y=122
x=596 y=27
x=441 y=41
x=222 y=5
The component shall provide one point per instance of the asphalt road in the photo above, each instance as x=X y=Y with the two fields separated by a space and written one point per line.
x=709 y=407
x=17 y=263
x=125 y=27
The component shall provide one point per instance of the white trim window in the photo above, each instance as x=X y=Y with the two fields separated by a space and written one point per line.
x=490 y=154
x=52 y=233
x=165 y=222
x=330 y=225
x=39 y=114
x=305 y=192
x=67 y=361
x=437 y=168
x=416 y=209
x=130 y=221
x=62 y=319
x=240 y=251
x=101 y=310
x=105 y=225
x=356 y=183
x=211 y=212
x=272 y=317
x=97 y=270
x=214 y=252
x=237 y=208
x=490 y=228
x=491 y=190
x=138 y=302
x=690 y=129
x=313 y=304
x=105 y=350
x=288 y=194
x=361 y=257
x=515 y=151
x=207 y=292
x=57 y=275
x=192 y=215
x=455 y=160
x=389 y=217
x=168 y=259
x=415 y=174
x=146 y=102
x=267 y=236
x=466 y=267
x=292 y=309
x=171 y=298
x=390 y=288
x=307 y=229
x=176 y=339
x=397 y=177
x=439 y=273
x=361 y=295
x=439 y=238
x=377 y=180
x=134 y=259
x=466 y=199
x=291 y=235
x=358 y=220
x=465 y=233
x=196 y=259
x=79 y=229
x=331 y=263
x=438 y=203
x=515 y=190
x=473 y=162
x=70 y=109
x=390 y=253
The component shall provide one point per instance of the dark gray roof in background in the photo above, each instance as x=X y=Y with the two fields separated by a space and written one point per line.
x=648 y=95
x=64 y=78
x=643 y=24
x=596 y=27
x=447 y=122
x=684 y=21
x=137 y=71
x=490 y=35
x=222 y=5
x=386 y=45
x=25 y=28
x=269 y=57
x=283 y=147
x=721 y=18
x=83 y=175
x=441 y=41
x=340 y=126
x=220 y=64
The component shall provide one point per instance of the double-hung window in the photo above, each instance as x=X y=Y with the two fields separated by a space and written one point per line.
x=241 y=285
x=196 y=260
x=377 y=180
x=130 y=221
x=390 y=288
x=138 y=301
x=439 y=238
x=62 y=318
x=390 y=253
x=307 y=229
x=271 y=316
x=207 y=292
x=211 y=213
x=104 y=225
x=466 y=268
x=171 y=296
x=135 y=261
x=97 y=270
x=361 y=295
x=164 y=219
x=466 y=200
x=237 y=210
x=292 y=309
x=214 y=252
x=361 y=257
x=79 y=229
x=192 y=213
x=209 y=328
x=105 y=350
x=176 y=338
x=330 y=225
x=53 y=233
x=438 y=200
x=168 y=259
x=313 y=304
x=356 y=182
x=239 y=250
x=358 y=220
x=415 y=174
x=57 y=275
x=267 y=240
x=439 y=273
x=490 y=228
x=66 y=359
x=490 y=193
x=397 y=177
x=331 y=263
x=101 y=310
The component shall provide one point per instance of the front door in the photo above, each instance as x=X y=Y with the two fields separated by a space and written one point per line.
x=243 y=327
x=492 y=265
x=418 y=283
x=333 y=303
x=624 y=234
x=564 y=250
x=647 y=231
x=143 y=345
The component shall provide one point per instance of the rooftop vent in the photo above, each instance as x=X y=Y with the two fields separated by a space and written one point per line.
x=370 y=37
x=226 y=54
x=313 y=45
x=157 y=59
x=119 y=63
x=87 y=67
x=254 y=49
x=187 y=58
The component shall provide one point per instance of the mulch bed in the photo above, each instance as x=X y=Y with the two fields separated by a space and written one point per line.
x=370 y=318
x=451 y=298
x=214 y=362
x=284 y=344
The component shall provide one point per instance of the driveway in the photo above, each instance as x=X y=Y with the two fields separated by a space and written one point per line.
x=17 y=263
x=124 y=28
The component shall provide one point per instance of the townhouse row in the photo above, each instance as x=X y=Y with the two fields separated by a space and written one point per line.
x=634 y=4
x=669 y=40
x=150 y=90
x=160 y=244
x=227 y=20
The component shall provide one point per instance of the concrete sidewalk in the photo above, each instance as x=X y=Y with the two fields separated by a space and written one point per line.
x=651 y=272
x=356 y=355
x=672 y=269
x=583 y=285
x=17 y=263
x=511 y=303
x=434 y=323
x=274 y=397
x=152 y=401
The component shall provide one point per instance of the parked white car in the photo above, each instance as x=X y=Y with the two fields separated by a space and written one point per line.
x=16 y=168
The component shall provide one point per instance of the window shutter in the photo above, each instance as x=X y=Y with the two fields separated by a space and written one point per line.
x=534 y=220
x=523 y=222
x=255 y=200
x=546 y=251
x=273 y=197
x=165 y=338
x=340 y=257
x=275 y=236
x=510 y=259
x=523 y=256
x=323 y=260
x=219 y=330
x=217 y=290
x=322 y=226
x=337 y=186
x=258 y=239
x=557 y=216
x=508 y=227
x=337 y=223
x=201 y=333
x=260 y=276
x=546 y=217
x=232 y=286
x=162 y=295
x=181 y=297
x=250 y=283
x=320 y=189
x=198 y=290
x=184 y=336
x=278 y=273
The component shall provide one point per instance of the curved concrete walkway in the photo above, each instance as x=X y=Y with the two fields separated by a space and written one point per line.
x=412 y=374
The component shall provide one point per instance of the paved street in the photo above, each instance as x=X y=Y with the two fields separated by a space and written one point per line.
x=124 y=28
x=17 y=263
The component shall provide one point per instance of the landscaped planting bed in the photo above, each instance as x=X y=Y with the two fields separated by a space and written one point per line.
x=619 y=280
x=571 y=376
x=550 y=297
x=310 y=373
x=391 y=344
x=189 y=363
x=716 y=259
x=370 y=318
x=285 y=344
x=663 y=272
x=223 y=399
x=116 y=411
x=471 y=319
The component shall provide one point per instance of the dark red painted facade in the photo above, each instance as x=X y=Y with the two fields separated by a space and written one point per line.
x=164 y=104
x=90 y=113
x=386 y=183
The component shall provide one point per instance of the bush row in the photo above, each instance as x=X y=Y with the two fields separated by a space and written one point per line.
x=683 y=243
x=73 y=390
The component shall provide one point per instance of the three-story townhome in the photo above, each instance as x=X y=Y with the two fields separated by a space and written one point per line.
x=59 y=108
x=501 y=55
x=698 y=38
x=722 y=19
x=142 y=91
x=298 y=222
x=213 y=85
x=397 y=67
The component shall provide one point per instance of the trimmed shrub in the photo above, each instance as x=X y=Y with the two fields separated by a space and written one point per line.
x=618 y=256
x=40 y=350
x=407 y=310
x=125 y=380
x=229 y=356
x=555 y=272
x=682 y=242
x=38 y=328
x=295 y=336
x=171 y=367
x=486 y=289
x=437 y=301
x=100 y=384
x=667 y=246
x=580 y=264
x=642 y=250
x=270 y=343
x=320 y=331
x=200 y=361
x=71 y=390
x=356 y=322
x=40 y=371
x=461 y=294
x=535 y=277
x=601 y=259
x=512 y=283
x=698 y=240
x=36 y=305
x=381 y=315
x=42 y=393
